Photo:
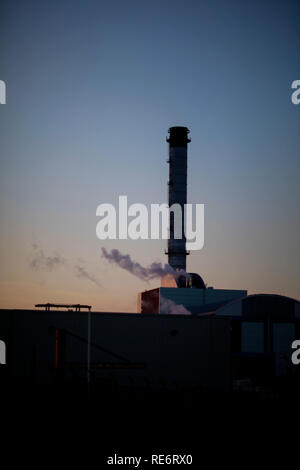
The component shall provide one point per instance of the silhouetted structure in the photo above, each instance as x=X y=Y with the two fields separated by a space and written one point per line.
x=178 y=140
x=76 y=307
x=263 y=327
x=186 y=290
x=245 y=344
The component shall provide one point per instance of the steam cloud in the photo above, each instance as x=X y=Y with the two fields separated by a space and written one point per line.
x=155 y=270
x=82 y=273
x=168 y=306
x=42 y=262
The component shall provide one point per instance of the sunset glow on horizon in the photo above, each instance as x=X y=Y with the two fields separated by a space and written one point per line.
x=91 y=90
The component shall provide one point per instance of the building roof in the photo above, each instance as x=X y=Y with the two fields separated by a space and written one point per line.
x=261 y=306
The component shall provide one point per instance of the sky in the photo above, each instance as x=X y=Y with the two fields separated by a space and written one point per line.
x=92 y=88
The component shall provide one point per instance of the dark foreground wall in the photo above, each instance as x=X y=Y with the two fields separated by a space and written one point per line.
x=128 y=350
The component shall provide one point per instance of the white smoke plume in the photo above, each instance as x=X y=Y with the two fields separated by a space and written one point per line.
x=82 y=273
x=169 y=307
x=155 y=270
x=40 y=261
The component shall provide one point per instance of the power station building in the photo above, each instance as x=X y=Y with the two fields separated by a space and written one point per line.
x=185 y=290
x=246 y=340
x=195 y=301
x=263 y=328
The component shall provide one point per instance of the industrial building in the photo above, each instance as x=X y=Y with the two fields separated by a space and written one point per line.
x=195 y=301
x=127 y=351
x=244 y=343
x=183 y=289
x=263 y=328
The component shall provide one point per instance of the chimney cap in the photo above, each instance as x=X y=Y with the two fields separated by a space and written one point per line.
x=179 y=129
x=178 y=133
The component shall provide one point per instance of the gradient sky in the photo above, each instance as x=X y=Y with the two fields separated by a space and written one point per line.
x=92 y=88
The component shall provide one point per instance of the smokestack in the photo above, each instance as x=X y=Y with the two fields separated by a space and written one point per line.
x=178 y=140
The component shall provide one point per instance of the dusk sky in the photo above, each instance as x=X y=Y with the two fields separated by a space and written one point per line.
x=92 y=88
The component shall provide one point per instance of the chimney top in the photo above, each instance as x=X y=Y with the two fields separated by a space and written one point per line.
x=178 y=135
